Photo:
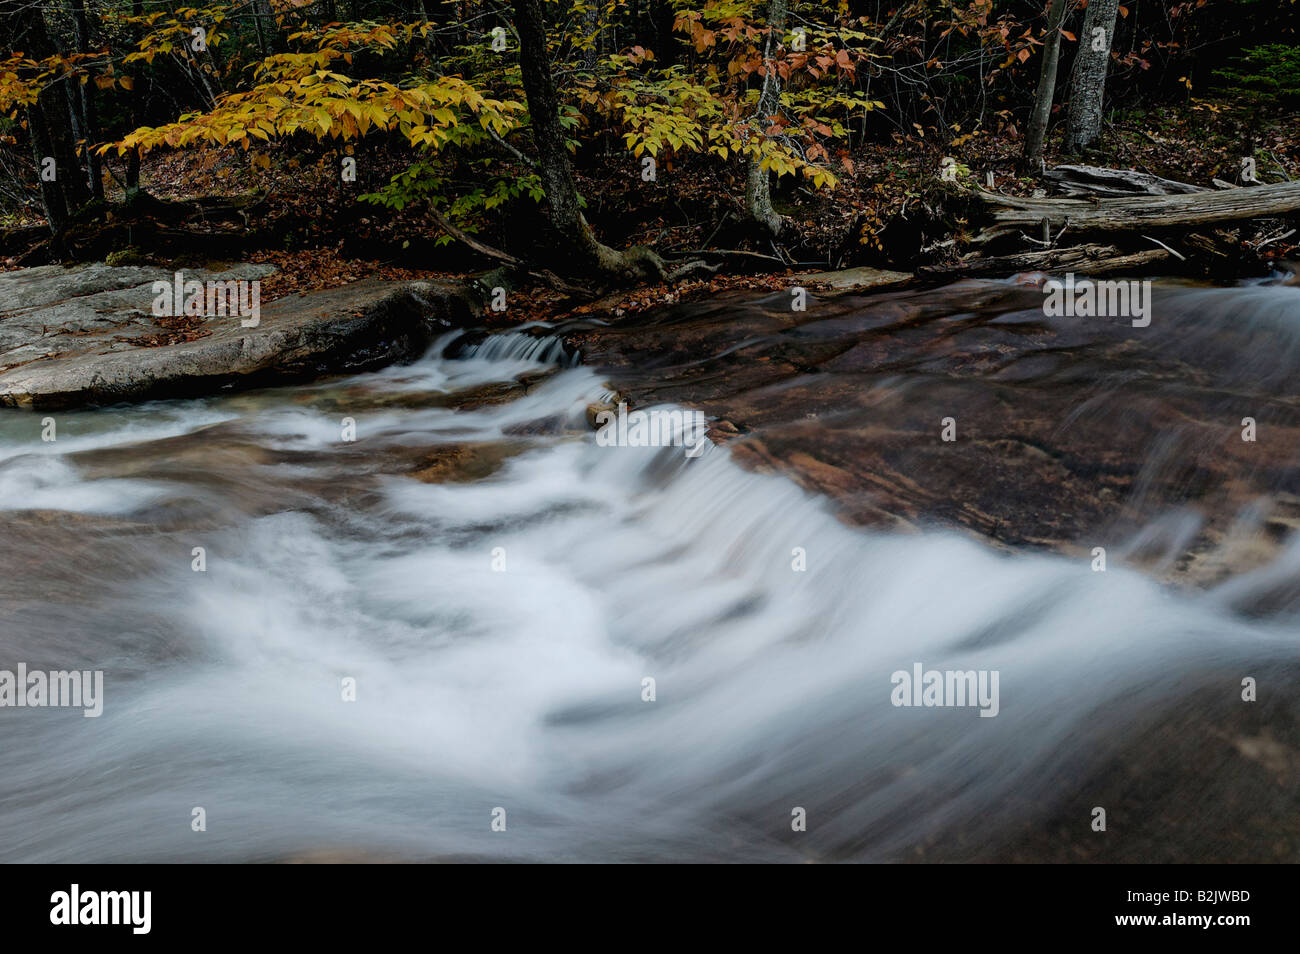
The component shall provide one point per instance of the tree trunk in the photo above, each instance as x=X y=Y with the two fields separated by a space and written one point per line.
x=591 y=26
x=268 y=33
x=1088 y=91
x=48 y=119
x=758 y=186
x=86 y=100
x=1042 y=113
x=137 y=111
x=556 y=172
x=52 y=197
x=267 y=15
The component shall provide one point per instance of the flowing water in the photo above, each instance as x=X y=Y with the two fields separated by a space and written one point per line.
x=499 y=587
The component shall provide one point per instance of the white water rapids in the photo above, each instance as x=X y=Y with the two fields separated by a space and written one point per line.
x=479 y=688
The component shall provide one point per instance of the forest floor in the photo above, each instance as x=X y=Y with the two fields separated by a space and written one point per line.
x=891 y=209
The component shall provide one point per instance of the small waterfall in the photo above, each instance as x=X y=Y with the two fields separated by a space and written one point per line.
x=635 y=654
x=520 y=346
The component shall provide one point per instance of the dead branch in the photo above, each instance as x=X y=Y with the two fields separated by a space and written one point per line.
x=545 y=275
x=1084 y=259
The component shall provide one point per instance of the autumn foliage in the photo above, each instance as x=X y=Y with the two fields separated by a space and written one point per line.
x=437 y=83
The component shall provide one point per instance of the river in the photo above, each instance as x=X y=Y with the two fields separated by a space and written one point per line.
x=495 y=588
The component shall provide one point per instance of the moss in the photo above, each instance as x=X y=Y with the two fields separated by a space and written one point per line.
x=126 y=256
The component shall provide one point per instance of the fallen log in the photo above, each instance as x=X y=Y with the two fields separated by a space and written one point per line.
x=1011 y=213
x=1081 y=259
x=1115 y=183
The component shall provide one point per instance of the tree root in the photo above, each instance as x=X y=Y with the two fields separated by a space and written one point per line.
x=545 y=275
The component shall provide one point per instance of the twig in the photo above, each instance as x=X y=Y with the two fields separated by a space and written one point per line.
x=1280 y=168
x=1275 y=238
x=730 y=253
x=509 y=148
x=1181 y=258
x=725 y=215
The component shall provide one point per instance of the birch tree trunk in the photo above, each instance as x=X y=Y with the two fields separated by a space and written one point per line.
x=1088 y=91
x=758 y=186
x=1042 y=114
x=137 y=75
x=591 y=25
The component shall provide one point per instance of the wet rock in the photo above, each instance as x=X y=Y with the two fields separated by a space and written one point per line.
x=88 y=335
x=1069 y=433
x=856 y=279
x=595 y=410
x=1213 y=781
x=463 y=463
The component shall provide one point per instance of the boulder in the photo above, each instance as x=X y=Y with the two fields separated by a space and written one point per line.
x=89 y=335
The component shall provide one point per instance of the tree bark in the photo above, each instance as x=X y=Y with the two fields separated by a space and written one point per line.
x=758 y=185
x=86 y=100
x=268 y=32
x=1083 y=259
x=554 y=166
x=1115 y=183
x=1088 y=91
x=1042 y=114
x=52 y=196
x=137 y=75
x=49 y=118
x=1137 y=214
x=591 y=25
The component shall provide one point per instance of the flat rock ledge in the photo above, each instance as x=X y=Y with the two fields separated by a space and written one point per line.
x=860 y=279
x=72 y=337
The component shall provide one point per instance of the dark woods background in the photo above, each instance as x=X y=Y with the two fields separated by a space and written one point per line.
x=833 y=151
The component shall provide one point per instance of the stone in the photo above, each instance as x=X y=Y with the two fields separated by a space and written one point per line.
x=88 y=335
x=856 y=279
x=1056 y=418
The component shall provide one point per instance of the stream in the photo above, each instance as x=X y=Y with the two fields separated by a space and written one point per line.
x=497 y=587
